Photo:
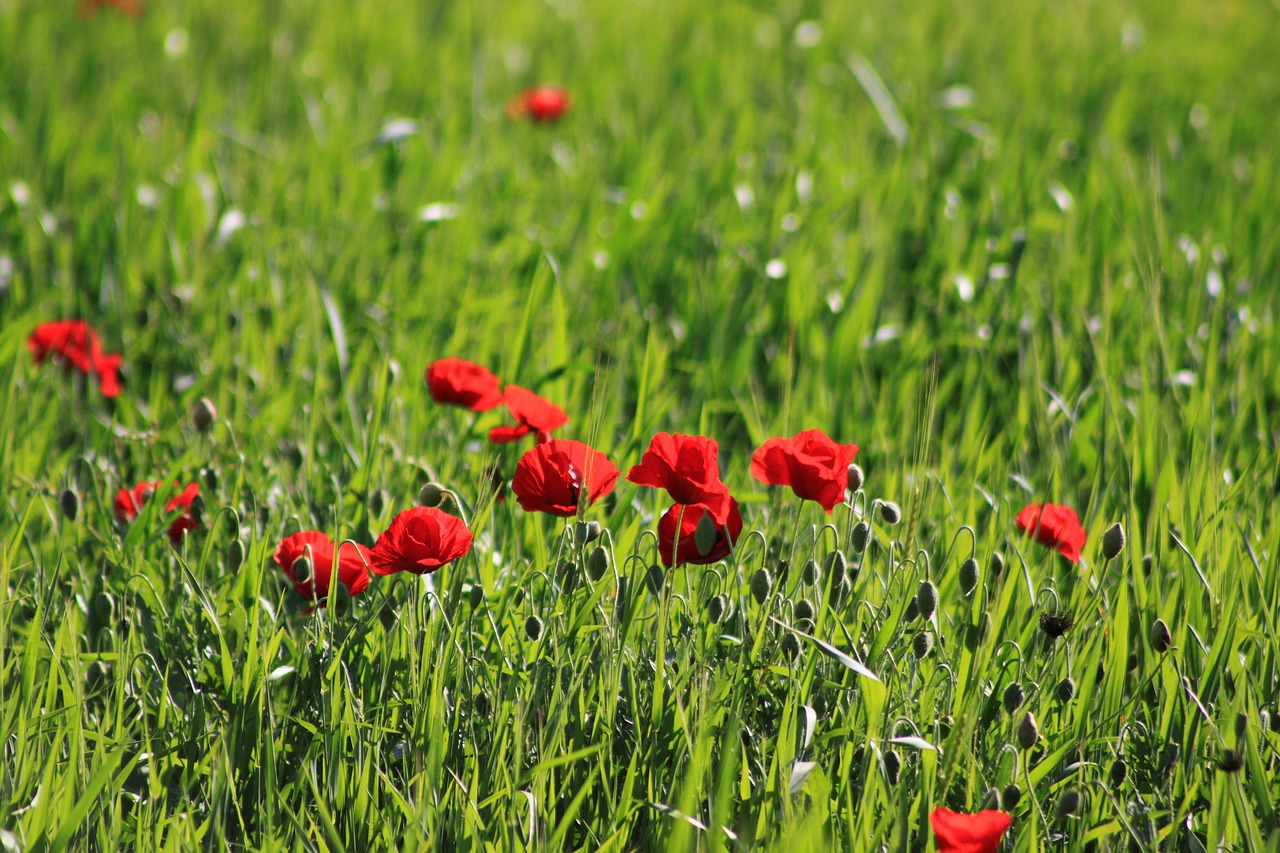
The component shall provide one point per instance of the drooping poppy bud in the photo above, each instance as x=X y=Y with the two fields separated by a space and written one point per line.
x=892 y=766
x=533 y=628
x=597 y=564
x=1066 y=690
x=791 y=646
x=69 y=503
x=204 y=414
x=860 y=536
x=922 y=644
x=890 y=512
x=1113 y=541
x=1161 y=638
x=1028 y=732
x=803 y=611
x=761 y=585
x=1068 y=804
x=856 y=477
x=431 y=495
x=1011 y=796
x=926 y=599
x=1119 y=770
x=1013 y=697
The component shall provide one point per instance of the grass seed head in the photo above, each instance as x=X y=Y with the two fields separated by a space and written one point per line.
x=1113 y=541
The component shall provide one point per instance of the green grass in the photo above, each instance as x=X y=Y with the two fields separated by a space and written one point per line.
x=159 y=700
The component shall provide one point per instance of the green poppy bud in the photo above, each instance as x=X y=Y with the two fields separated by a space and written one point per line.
x=1028 y=732
x=598 y=563
x=1119 y=770
x=791 y=646
x=716 y=608
x=912 y=611
x=388 y=617
x=339 y=600
x=1013 y=697
x=761 y=585
x=431 y=495
x=892 y=766
x=803 y=611
x=968 y=576
x=69 y=503
x=922 y=644
x=1161 y=638
x=1231 y=761
x=475 y=596
x=235 y=555
x=1113 y=541
x=856 y=478
x=533 y=628
x=655 y=579
x=378 y=501
x=704 y=535
x=301 y=570
x=810 y=574
x=890 y=512
x=203 y=414
x=1010 y=796
x=926 y=599
x=860 y=536
x=1068 y=804
x=835 y=566
x=1066 y=690
x=997 y=564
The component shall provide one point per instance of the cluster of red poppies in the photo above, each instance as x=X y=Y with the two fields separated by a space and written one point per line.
x=73 y=344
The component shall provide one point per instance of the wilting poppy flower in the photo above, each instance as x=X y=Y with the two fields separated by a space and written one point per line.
x=461 y=383
x=532 y=413
x=313 y=581
x=132 y=8
x=688 y=551
x=552 y=477
x=419 y=540
x=814 y=466
x=688 y=468
x=128 y=503
x=541 y=103
x=956 y=832
x=1055 y=526
x=73 y=344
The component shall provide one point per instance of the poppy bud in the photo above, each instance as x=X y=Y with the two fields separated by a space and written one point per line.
x=339 y=600
x=991 y=800
x=1113 y=541
x=210 y=477
x=480 y=704
x=597 y=564
x=1148 y=563
x=1013 y=697
x=475 y=596
x=584 y=532
x=890 y=512
x=203 y=414
x=568 y=576
x=431 y=495
x=803 y=611
x=301 y=570
x=860 y=536
x=835 y=565
x=655 y=579
x=1066 y=690
x=104 y=604
x=838 y=591
x=791 y=646
x=810 y=574
x=235 y=555
x=922 y=644
x=945 y=722
x=378 y=501
x=1230 y=761
x=997 y=564
x=926 y=599
x=533 y=628
x=1169 y=756
x=1028 y=732
x=1161 y=639
x=968 y=576
x=704 y=535
x=1010 y=796
x=913 y=610
x=620 y=601
x=1068 y=804
x=1242 y=726
x=69 y=503
x=856 y=478
x=1117 y=772
x=761 y=584
x=388 y=617
x=716 y=608
x=892 y=766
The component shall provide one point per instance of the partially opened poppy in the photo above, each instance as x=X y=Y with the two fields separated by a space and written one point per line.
x=129 y=502
x=554 y=476
x=73 y=344
x=540 y=104
x=419 y=540
x=956 y=832
x=533 y=414
x=687 y=466
x=815 y=467
x=457 y=382
x=1055 y=526
x=313 y=580
x=688 y=550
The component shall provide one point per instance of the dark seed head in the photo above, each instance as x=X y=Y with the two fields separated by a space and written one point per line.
x=1055 y=623
x=1231 y=761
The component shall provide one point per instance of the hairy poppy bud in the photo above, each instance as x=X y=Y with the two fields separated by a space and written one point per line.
x=388 y=617
x=235 y=555
x=922 y=644
x=597 y=564
x=1172 y=751
x=892 y=766
x=210 y=477
x=1068 y=804
x=1242 y=726
x=1148 y=563
x=926 y=599
x=104 y=604
x=203 y=414
x=533 y=628
x=856 y=478
x=568 y=576
x=991 y=800
x=585 y=532
x=890 y=512
x=1010 y=796
x=1113 y=541
x=69 y=503
x=1028 y=732
x=475 y=596
x=301 y=570
x=791 y=646
x=968 y=576
x=997 y=564
x=339 y=599
x=431 y=495
x=838 y=591
x=810 y=574
x=655 y=579
x=912 y=611
x=1230 y=761
x=761 y=585
x=1066 y=690
x=716 y=608
x=1013 y=697
x=621 y=606
x=1119 y=770
x=704 y=535
x=378 y=501
x=860 y=536
x=803 y=611
x=835 y=565
x=1161 y=639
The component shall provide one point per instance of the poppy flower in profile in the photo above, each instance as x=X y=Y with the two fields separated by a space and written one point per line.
x=457 y=382
x=419 y=540
x=688 y=550
x=956 y=832
x=1055 y=526
x=554 y=476
x=313 y=580
x=540 y=104
x=814 y=466
x=72 y=343
x=687 y=466
x=129 y=502
x=532 y=413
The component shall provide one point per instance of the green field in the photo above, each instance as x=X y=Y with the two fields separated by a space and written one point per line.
x=1016 y=252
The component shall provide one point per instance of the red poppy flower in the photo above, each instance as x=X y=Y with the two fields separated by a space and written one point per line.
x=461 y=383
x=128 y=503
x=551 y=477
x=419 y=540
x=956 y=832
x=687 y=551
x=814 y=466
x=353 y=559
x=1055 y=526
x=73 y=344
x=532 y=414
x=688 y=468
x=541 y=103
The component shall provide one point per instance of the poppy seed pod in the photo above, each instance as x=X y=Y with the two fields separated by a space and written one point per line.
x=968 y=576
x=791 y=646
x=1068 y=804
x=301 y=570
x=597 y=564
x=1113 y=541
x=431 y=495
x=926 y=599
x=533 y=628
x=803 y=611
x=475 y=596
x=860 y=536
x=69 y=503
x=716 y=608
x=1119 y=770
x=235 y=555
x=836 y=566
x=1010 y=796
x=1066 y=690
x=1028 y=732
x=892 y=766
x=810 y=574
x=890 y=512
x=856 y=478
x=1161 y=638
x=203 y=414
x=704 y=535
x=922 y=644
x=761 y=585
x=1013 y=697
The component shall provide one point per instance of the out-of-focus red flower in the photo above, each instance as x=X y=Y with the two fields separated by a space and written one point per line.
x=688 y=468
x=458 y=382
x=541 y=103
x=131 y=8
x=419 y=540
x=128 y=503
x=353 y=559
x=956 y=832
x=532 y=413
x=1055 y=526
x=72 y=343
x=687 y=551
x=814 y=466
x=552 y=477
